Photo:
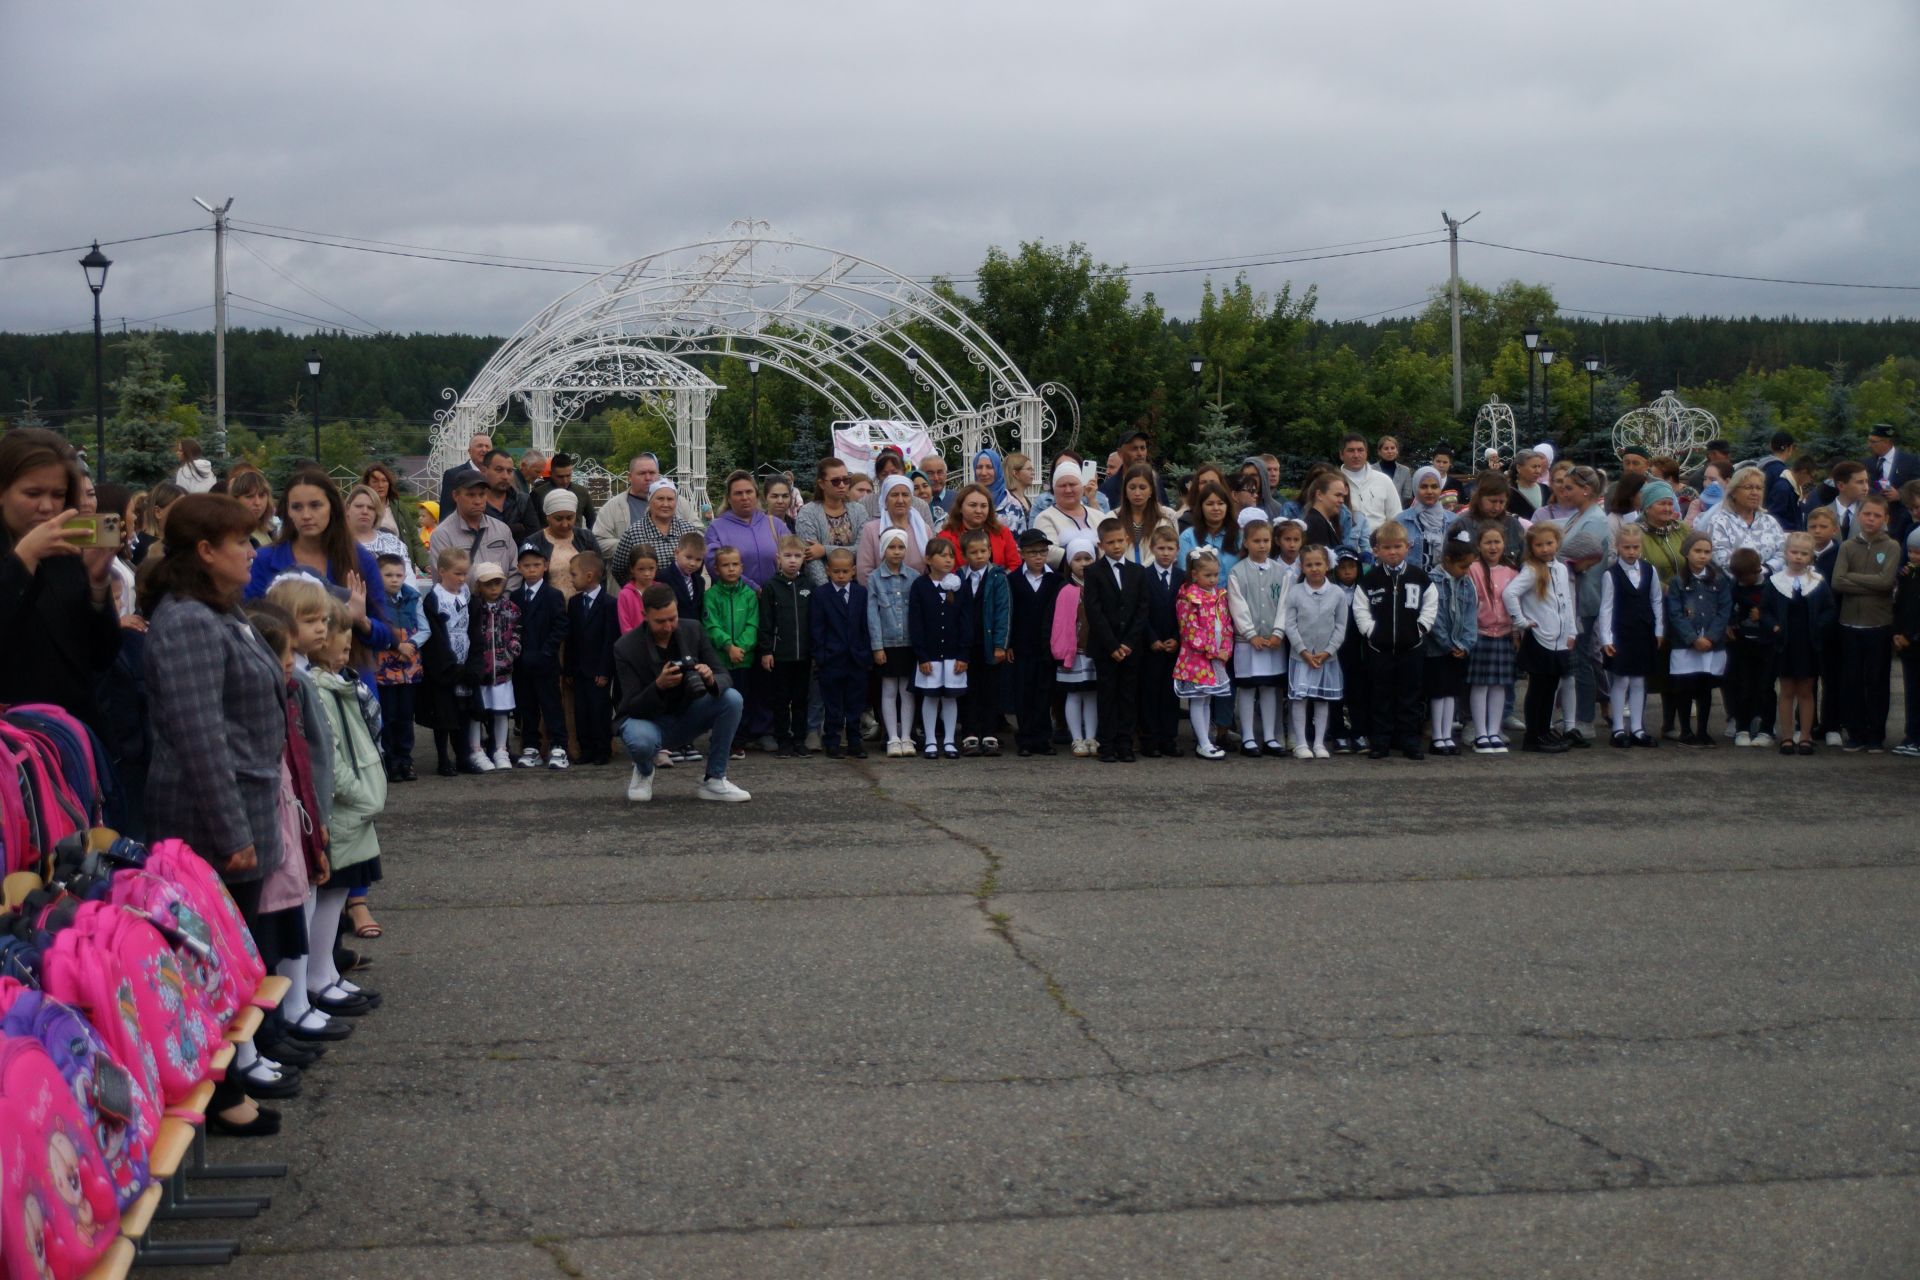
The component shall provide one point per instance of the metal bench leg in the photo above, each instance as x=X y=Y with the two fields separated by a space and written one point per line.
x=199 y=1167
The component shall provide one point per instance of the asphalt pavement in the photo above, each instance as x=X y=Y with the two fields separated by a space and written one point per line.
x=1619 y=1013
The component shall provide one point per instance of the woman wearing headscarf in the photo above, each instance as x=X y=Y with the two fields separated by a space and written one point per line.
x=1426 y=520
x=897 y=511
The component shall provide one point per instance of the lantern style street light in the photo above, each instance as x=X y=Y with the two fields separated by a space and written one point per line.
x=1592 y=364
x=313 y=371
x=95 y=265
x=1545 y=356
x=1531 y=337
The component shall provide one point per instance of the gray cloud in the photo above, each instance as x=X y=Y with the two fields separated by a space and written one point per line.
x=1758 y=138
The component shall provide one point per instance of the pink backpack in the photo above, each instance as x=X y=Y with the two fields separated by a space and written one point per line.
x=57 y=1211
x=114 y=965
x=173 y=861
x=166 y=904
x=36 y=760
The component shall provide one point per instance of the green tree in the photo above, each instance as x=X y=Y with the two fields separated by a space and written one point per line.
x=145 y=425
x=637 y=430
x=1219 y=440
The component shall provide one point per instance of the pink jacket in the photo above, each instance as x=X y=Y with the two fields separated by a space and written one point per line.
x=1494 y=619
x=628 y=609
x=1206 y=632
x=1066 y=624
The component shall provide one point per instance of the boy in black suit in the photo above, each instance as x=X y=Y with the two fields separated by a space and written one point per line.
x=1159 y=708
x=1115 y=597
x=842 y=653
x=685 y=573
x=593 y=624
x=536 y=672
x=1030 y=644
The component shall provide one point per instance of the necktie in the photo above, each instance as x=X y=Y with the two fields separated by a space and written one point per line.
x=846 y=596
x=1846 y=526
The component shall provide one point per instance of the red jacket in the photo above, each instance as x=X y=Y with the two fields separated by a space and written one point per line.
x=1006 y=549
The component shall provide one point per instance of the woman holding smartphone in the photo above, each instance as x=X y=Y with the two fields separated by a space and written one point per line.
x=58 y=626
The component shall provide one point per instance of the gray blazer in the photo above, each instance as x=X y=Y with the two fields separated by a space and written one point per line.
x=810 y=525
x=216 y=700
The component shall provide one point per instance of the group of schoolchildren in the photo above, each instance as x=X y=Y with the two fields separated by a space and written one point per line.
x=1296 y=649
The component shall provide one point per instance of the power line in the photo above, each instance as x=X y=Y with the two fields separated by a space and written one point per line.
x=430 y=257
x=81 y=248
x=288 y=314
x=401 y=244
x=240 y=240
x=1405 y=306
x=1682 y=271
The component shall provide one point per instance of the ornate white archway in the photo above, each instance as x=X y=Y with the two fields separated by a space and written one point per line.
x=867 y=339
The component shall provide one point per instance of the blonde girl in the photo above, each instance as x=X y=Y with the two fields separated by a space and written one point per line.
x=1539 y=600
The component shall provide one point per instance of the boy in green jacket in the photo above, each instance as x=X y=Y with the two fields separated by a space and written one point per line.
x=731 y=612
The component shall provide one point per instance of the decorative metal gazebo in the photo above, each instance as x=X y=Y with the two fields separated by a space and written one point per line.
x=1667 y=426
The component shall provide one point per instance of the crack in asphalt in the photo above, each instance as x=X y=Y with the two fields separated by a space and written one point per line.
x=1643 y=1168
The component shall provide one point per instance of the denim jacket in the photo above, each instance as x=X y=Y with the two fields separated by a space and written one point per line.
x=1699 y=607
x=1456 y=624
x=887 y=606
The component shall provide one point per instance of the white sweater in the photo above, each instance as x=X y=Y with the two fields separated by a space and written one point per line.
x=1375 y=496
x=1551 y=620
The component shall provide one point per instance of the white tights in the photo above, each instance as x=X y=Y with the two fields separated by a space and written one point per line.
x=1083 y=717
x=1629 y=697
x=294 y=1005
x=948 y=711
x=1269 y=703
x=1297 y=710
x=325 y=907
x=1488 y=703
x=1200 y=716
x=1441 y=710
x=896 y=706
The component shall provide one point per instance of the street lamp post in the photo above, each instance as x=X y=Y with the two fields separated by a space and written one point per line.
x=1194 y=365
x=1531 y=336
x=313 y=371
x=95 y=264
x=1546 y=355
x=753 y=417
x=1593 y=369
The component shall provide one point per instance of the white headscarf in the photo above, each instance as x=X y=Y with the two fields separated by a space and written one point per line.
x=1079 y=542
x=561 y=500
x=660 y=484
x=921 y=533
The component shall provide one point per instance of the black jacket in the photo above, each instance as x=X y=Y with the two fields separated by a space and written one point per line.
x=1163 y=623
x=1396 y=602
x=784 y=628
x=54 y=641
x=1116 y=612
x=1030 y=636
x=839 y=631
x=636 y=666
x=543 y=627
x=691 y=592
x=590 y=635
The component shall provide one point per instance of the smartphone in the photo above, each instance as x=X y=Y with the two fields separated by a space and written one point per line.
x=101 y=530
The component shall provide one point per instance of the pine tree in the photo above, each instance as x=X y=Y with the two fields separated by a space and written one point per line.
x=142 y=435
x=804 y=454
x=1220 y=441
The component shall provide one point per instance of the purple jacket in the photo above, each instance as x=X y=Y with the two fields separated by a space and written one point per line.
x=758 y=543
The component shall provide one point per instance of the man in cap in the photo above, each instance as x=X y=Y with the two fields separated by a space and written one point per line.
x=469 y=528
x=1887 y=464
x=1135 y=446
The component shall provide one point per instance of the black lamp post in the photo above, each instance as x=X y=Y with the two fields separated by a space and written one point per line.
x=1546 y=355
x=313 y=371
x=1531 y=336
x=95 y=264
x=753 y=417
x=1194 y=365
x=1593 y=370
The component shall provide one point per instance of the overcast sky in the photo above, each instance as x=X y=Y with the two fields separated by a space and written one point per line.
x=1759 y=138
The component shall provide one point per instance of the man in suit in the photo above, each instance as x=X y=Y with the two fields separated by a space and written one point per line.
x=593 y=624
x=1159 y=708
x=1115 y=594
x=1889 y=467
x=673 y=688
x=1031 y=592
x=479 y=445
x=536 y=672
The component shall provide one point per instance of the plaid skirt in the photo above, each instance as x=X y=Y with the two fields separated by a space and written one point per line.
x=1491 y=661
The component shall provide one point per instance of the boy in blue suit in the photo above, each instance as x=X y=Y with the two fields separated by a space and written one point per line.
x=990 y=606
x=536 y=672
x=842 y=653
x=1159 y=708
x=593 y=624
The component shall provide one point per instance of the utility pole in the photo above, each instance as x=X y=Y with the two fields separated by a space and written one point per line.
x=1453 y=287
x=219 y=323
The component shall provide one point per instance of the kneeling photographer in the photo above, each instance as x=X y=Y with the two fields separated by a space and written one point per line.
x=672 y=687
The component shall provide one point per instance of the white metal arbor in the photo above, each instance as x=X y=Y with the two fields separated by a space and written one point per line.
x=1494 y=428
x=851 y=330
x=1667 y=426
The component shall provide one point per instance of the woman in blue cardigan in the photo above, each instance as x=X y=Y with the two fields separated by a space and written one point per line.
x=314 y=536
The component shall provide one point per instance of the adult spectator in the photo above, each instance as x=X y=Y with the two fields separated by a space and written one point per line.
x=1489 y=506
x=973 y=509
x=560 y=476
x=934 y=468
x=673 y=688
x=897 y=512
x=530 y=470
x=1890 y=466
x=470 y=529
x=1528 y=494
x=396 y=514
x=59 y=628
x=1139 y=509
x=562 y=538
x=1713 y=489
x=364 y=510
x=1663 y=533
x=1623 y=500
x=1742 y=521
x=1069 y=514
x=506 y=503
x=889 y=462
x=1586 y=548
x=195 y=473
x=256 y=494
x=217 y=708
x=153 y=518
x=659 y=528
x=479 y=445
x=1719 y=454
x=1783 y=493
x=780 y=504
x=1254 y=469
x=1015 y=503
x=831 y=520
x=315 y=536
x=746 y=528
x=1202 y=475
x=1388 y=464
x=1133 y=448
x=1374 y=497
x=1323 y=504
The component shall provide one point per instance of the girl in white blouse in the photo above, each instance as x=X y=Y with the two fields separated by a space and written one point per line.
x=1545 y=626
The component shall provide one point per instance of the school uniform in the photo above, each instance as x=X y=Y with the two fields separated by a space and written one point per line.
x=1827 y=693
x=1116 y=602
x=1395 y=608
x=689 y=590
x=786 y=638
x=1316 y=620
x=989 y=608
x=1159 y=705
x=1029 y=635
x=939 y=627
x=1798 y=614
x=448 y=683
x=1632 y=618
x=842 y=652
x=1864 y=578
x=536 y=673
x=1456 y=625
x=1749 y=695
x=593 y=625
x=1548 y=624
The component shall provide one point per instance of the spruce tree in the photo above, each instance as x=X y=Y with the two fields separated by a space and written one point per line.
x=1219 y=441
x=142 y=435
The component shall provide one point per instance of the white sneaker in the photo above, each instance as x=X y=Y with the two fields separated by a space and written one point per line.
x=1743 y=739
x=529 y=758
x=480 y=762
x=640 y=786
x=557 y=760
x=1762 y=739
x=1321 y=753
x=1514 y=724
x=1206 y=751
x=1303 y=752
x=1833 y=740
x=501 y=760
x=719 y=789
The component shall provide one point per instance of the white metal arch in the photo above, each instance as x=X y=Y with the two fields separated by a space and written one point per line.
x=852 y=330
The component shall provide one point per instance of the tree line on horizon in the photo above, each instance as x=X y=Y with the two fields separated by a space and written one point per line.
x=1276 y=377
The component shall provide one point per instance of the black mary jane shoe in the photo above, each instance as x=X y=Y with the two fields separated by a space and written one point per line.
x=1577 y=739
x=342 y=1006
x=264 y=1125
x=291 y=1053
x=1251 y=750
x=260 y=1082
x=1804 y=748
x=1645 y=739
x=1620 y=738
x=329 y=1029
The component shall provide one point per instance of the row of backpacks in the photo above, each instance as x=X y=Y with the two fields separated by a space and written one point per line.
x=121 y=967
